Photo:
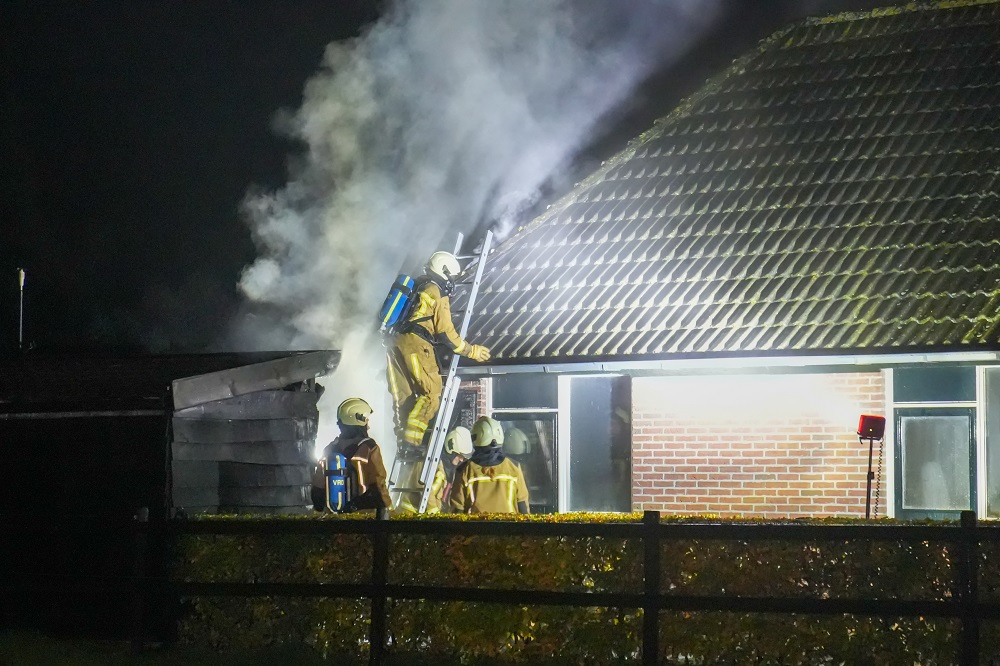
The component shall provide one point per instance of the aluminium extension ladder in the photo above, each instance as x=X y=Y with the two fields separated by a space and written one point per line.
x=449 y=395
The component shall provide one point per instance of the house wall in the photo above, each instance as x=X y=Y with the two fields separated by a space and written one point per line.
x=762 y=445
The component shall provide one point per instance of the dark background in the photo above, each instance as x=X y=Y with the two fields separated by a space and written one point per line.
x=130 y=132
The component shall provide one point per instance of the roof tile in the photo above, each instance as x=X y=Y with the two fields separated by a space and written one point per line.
x=837 y=189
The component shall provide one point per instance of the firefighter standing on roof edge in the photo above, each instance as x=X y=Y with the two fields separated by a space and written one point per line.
x=488 y=482
x=412 y=371
x=369 y=490
x=457 y=447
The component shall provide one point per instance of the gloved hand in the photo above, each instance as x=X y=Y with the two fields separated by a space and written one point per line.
x=479 y=353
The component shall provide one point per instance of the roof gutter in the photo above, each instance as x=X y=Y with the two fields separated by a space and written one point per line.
x=731 y=364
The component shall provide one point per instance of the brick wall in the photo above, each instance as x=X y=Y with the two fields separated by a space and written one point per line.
x=762 y=445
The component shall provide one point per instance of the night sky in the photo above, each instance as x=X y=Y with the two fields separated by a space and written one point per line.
x=130 y=133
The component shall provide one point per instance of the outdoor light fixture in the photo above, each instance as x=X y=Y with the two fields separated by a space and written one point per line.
x=871 y=428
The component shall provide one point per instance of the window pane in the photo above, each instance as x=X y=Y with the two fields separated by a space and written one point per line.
x=530 y=441
x=528 y=391
x=600 y=441
x=993 y=442
x=935 y=454
x=934 y=384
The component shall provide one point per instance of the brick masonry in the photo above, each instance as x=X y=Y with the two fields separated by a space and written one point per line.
x=756 y=445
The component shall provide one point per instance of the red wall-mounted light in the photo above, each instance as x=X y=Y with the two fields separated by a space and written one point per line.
x=871 y=427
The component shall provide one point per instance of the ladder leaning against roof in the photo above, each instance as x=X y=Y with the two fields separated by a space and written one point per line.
x=449 y=394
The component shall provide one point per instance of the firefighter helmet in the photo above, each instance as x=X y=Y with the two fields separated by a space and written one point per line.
x=444 y=265
x=459 y=441
x=516 y=443
x=354 y=412
x=485 y=431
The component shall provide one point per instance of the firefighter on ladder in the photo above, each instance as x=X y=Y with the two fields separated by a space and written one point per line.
x=489 y=482
x=412 y=370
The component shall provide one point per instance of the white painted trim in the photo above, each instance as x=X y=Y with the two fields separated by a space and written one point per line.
x=563 y=393
x=981 y=488
x=967 y=404
x=729 y=364
x=889 y=442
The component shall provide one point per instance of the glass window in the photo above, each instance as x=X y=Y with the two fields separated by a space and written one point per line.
x=935 y=452
x=600 y=444
x=525 y=391
x=530 y=441
x=949 y=384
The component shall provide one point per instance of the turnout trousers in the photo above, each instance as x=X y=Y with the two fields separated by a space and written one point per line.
x=415 y=384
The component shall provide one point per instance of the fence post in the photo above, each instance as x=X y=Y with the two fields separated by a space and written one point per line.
x=380 y=569
x=651 y=588
x=140 y=533
x=969 y=587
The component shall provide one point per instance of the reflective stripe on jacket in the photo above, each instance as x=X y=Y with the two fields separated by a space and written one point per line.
x=496 y=489
x=433 y=314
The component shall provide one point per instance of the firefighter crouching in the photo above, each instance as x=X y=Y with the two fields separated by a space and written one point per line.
x=488 y=482
x=457 y=447
x=367 y=476
x=412 y=371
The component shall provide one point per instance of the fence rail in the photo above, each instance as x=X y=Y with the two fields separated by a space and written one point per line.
x=963 y=539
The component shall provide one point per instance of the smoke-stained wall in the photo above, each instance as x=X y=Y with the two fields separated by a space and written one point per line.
x=443 y=115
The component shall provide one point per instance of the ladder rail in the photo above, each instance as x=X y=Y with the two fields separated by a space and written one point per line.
x=450 y=392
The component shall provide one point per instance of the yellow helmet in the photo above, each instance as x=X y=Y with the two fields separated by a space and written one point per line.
x=459 y=440
x=354 y=412
x=445 y=265
x=485 y=431
x=516 y=443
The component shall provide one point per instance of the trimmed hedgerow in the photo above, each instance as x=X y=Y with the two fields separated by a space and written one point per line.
x=469 y=633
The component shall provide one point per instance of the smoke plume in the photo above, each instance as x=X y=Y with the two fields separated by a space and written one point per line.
x=441 y=115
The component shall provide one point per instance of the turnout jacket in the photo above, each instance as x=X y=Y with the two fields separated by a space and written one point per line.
x=489 y=483
x=365 y=456
x=432 y=315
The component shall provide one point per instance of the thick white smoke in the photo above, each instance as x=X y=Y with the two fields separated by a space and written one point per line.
x=441 y=115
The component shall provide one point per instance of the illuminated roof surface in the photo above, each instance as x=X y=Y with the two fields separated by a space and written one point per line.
x=836 y=189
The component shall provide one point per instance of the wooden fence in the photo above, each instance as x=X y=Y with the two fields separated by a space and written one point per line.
x=964 y=604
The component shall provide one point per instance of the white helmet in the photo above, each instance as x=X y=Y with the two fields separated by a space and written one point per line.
x=444 y=265
x=516 y=442
x=485 y=431
x=459 y=441
x=354 y=412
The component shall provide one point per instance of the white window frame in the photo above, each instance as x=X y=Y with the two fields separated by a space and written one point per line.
x=979 y=405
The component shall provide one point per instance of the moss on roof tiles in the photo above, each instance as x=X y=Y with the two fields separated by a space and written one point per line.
x=786 y=202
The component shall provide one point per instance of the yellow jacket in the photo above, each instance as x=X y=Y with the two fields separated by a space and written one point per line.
x=498 y=488
x=433 y=315
x=365 y=456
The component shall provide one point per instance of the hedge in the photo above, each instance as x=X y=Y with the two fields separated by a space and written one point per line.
x=472 y=633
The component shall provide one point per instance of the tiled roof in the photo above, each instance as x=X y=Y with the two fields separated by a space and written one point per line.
x=836 y=189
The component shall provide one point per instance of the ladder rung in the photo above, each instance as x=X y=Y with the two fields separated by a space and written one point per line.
x=396 y=489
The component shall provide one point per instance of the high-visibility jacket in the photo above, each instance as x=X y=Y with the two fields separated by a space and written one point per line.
x=432 y=314
x=369 y=489
x=412 y=370
x=437 y=501
x=494 y=488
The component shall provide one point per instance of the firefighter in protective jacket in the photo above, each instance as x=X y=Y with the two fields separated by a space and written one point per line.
x=412 y=371
x=368 y=477
x=488 y=482
x=457 y=447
